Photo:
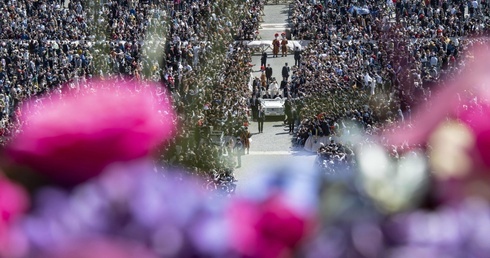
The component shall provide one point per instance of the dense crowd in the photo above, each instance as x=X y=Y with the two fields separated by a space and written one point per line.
x=375 y=20
x=45 y=45
x=371 y=62
x=339 y=94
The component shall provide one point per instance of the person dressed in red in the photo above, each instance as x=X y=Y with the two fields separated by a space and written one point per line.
x=284 y=47
x=275 y=46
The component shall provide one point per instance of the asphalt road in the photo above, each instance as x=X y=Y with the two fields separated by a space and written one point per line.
x=273 y=146
x=269 y=149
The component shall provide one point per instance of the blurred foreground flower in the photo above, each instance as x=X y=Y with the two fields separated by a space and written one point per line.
x=169 y=216
x=70 y=137
x=13 y=204
x=476 y=118
x=472 y=80
x=13 y=201
x=276 y=212
x=394 y=185
x=449 y=231
x=267 y=229
x=456 y=131
x=100 y=248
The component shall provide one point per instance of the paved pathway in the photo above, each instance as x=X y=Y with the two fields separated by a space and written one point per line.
x=274 y=21
x=273 y=146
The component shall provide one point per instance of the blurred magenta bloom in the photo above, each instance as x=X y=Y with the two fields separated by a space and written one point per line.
x=96 y=248
x=447 y=102
x=267 y=229
x=477 y=120
x=72 y=136
x=13 y=203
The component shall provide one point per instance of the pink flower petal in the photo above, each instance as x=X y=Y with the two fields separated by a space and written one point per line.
x=73 y=136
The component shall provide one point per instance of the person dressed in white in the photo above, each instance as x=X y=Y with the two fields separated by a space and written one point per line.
x=367 y=80
x=373 y=86
x=433 y=61
x=274 y=89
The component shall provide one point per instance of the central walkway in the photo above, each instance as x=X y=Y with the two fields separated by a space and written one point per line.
x=273 y=146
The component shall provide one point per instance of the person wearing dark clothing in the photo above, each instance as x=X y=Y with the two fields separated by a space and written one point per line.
x=238 y=149
x=291 y=119
x=288 y=109
x=263 y=59
x=285 y=72
x=283 y=85
x=268 y=74
x=285 y=89
x=261 y=119
x=254 y=105
x=297 y=57
x=325 y=127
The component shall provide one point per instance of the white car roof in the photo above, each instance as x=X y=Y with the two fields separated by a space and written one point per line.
x=272 y=102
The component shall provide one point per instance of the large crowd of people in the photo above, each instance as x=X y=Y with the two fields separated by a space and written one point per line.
x=373 y=70
x=188 y=46
x=373 y=61
x=375 y=20
x=368 y=65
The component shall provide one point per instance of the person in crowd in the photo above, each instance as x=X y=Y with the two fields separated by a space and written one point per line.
x=291 y=118
x=275 y=46
x=285 y=72
x=284 y=46
x=263 y=81
x=61 y=47
x=238 y=150
x=261 y=119
x=268 y=73
x=245 y=136
x=297 y=56
x=254 y=105
x=274 y=90
x=263 y=59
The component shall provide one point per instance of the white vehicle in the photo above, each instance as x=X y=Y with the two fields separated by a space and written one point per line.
x=273 y=107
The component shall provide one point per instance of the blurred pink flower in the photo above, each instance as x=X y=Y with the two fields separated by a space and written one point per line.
x=72 y=137
x=456 y=130
x=13 y=203
x=268 y=229
x=100 y=248
x=477 y=120
x=446 y=102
